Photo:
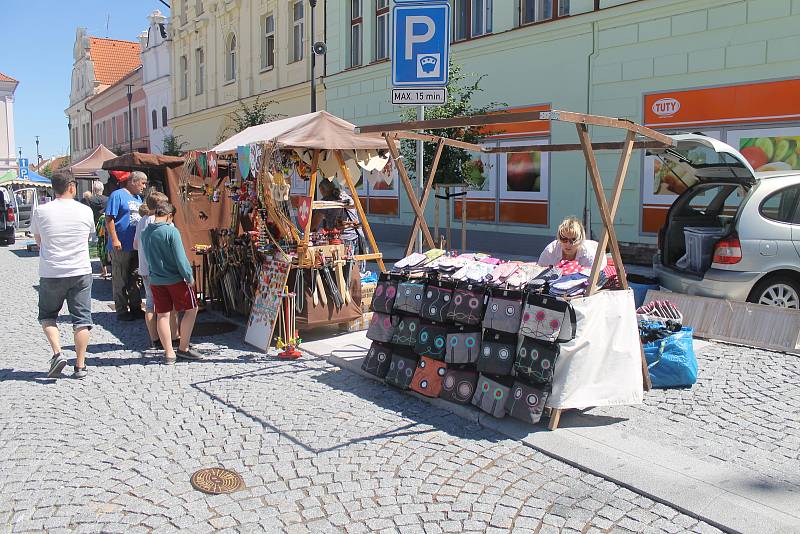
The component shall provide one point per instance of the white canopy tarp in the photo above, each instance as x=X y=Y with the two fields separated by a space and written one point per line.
x=319 y=130
x=88 y=166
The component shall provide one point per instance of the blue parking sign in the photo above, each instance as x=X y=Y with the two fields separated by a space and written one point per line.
x=421 y=44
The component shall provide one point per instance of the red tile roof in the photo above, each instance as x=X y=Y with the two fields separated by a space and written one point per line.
x=113 y=59
x=4 y=78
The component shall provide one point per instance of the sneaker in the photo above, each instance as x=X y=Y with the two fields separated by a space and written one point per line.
x=57 y=364
x=170 y=360
x=188 y=354
x=80 y=372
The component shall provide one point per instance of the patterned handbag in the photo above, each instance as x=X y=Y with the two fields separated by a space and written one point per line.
x=504 y=311
x=431 y=341
x=546 y=318
x=384 y=296
x=469 y=302
x=401 y=369
x=377 y=360
x=409 y=297
x=381 y=328
x=526 y=403
x=428 y=377
x=536 y=360
x=463 y=345
x=458 y=385
x=497 y=353
x=406 y=330
x=490 y=396
x=436 y=302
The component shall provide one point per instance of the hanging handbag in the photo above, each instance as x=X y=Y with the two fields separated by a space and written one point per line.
x=384 y=296
x=406 y=330
x=381 y=328
x=377 y=360
x=504 y=311
x=401 y=369
x=497 y=353
x=463 y=345
x=547 y=319
x=436 y=302
x=526 y=403
x=458 y=385
x=468 y=305
x=431 y=341
x=409 y=297
x=428 y=377
x=536 y=360
x=490 y=396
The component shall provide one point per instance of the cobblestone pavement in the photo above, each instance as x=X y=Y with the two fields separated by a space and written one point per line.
x=742 y=412
x=320 y=449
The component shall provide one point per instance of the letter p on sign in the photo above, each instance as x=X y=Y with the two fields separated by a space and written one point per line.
x=412 y=38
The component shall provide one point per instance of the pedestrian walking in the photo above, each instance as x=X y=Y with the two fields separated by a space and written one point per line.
x=98 y=202
x=171 y=281
x=122 y=214
x=62 y=229
x=146 y=211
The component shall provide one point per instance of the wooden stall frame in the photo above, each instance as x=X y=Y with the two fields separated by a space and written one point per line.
x=653 y=139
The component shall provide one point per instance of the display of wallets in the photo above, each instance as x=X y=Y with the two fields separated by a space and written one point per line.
x=384 y=297
x=490 y=396
x=377 y=360
x=431 y=341
x=503 y=311
x=428 y=377
x=544 y=317
x=381 y=328
x=526 y=402
x=436 y=302
x=409 y=297
x=469 y=303
x=458 y=385
x=536 y=360
x=401 y=369
x=498 y=351
x=406 y=330
x=463 y=345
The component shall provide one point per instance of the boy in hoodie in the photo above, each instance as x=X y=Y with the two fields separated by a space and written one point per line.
x=171 y=282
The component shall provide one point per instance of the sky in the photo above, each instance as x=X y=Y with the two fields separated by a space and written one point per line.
x=37 y=51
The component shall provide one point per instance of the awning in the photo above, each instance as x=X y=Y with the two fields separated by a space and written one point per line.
x=87 y=167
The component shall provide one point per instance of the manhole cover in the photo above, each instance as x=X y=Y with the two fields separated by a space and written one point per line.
x=212 y=328
x=216 y=480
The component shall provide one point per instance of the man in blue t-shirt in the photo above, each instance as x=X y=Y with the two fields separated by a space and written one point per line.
x=122 y=214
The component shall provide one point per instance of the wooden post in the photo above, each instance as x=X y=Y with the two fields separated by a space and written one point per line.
x=364 y=222
x=312 y=189
x=426 y=193
x=555 y=417
x=464 y=221
x=436 y=216
x=622 y=172
x=412 y=197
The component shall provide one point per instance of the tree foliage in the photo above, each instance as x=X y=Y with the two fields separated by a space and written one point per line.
x=252 y=115
x=455 y=162
x=172 y=146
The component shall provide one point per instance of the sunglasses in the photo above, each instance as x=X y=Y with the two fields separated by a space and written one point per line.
x=568 y=240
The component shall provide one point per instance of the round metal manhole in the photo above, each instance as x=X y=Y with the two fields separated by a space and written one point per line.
x=216 y=480
x=212 y=328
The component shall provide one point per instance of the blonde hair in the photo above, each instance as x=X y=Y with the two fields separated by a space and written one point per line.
x=87 y=195
x=571 y=226
x=151 y=203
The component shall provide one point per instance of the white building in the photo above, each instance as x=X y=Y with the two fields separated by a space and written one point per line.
x=156 y=46
x=8 y=157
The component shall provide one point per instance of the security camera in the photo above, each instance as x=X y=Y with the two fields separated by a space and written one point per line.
x=320 y=48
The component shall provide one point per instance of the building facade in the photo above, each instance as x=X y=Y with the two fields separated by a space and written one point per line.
x=115 y=124
x=97 y=65
x=730 y=68
x=228 y=51
x=156 y=46
x=8 y=155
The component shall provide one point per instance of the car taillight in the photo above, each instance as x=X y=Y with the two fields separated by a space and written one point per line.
x=10 y=215
x=728 y=251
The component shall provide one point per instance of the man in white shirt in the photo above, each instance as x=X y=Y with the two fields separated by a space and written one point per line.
x=62 y=229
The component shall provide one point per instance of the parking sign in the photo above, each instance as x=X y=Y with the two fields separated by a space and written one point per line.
x=421 y=44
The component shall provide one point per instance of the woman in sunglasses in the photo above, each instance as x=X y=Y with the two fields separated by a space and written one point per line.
x=571 y=244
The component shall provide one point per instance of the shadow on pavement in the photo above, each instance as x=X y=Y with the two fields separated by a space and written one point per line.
x=36 y=377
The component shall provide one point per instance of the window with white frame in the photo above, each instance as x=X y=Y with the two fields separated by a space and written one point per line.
x=267 y=41
x=537 y=10
x=523 y=175
x=481 y=17
x=471 y=18
x=184 y=77
x=381 y=29
x=297 y=31
x=200 y=71
x=356 y=32
x=230 y=58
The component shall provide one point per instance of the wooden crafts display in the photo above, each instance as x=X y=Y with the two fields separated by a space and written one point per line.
x=267 y=302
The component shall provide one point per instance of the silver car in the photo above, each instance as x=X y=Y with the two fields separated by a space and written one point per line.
x=733 y=233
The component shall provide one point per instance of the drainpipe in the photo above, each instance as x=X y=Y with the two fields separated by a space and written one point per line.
x=587 y=212
x=91 y=124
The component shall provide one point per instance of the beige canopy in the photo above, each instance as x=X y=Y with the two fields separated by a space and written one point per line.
x=319 y=130
x=91 y=163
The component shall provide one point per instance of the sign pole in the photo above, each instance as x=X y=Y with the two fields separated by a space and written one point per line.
x=420 y=169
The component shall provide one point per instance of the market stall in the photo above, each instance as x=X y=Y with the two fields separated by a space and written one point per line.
x=512 y=337
x=85 y=170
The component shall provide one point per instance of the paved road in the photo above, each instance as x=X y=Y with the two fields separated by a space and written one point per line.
x=320 y=449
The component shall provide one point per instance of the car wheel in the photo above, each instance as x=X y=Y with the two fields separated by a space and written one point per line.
x=779 y=291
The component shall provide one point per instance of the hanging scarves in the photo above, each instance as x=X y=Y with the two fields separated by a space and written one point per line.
x=202 y=165
x=243 y=154
x=255 y=158
x=211 y=159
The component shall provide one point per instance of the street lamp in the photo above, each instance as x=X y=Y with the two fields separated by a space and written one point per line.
x=130 y=118
x=313 y=61
x=38 y=156
x=69 y=129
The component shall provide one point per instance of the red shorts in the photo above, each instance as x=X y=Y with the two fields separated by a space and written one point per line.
x=177 y=297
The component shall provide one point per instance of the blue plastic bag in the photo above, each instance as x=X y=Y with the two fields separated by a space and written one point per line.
x=671 y=361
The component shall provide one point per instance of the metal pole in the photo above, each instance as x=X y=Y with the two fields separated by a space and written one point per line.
x=38 y=156
x=420 y=170
x=313 y=61
x=130 y=118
